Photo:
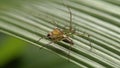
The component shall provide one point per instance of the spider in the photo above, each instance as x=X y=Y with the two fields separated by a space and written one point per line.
x=64 y=35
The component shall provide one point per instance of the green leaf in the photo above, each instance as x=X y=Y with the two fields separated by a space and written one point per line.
x=30 y=20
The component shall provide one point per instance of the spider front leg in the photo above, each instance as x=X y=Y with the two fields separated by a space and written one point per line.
x=42 y=38
x=39 y=39
x=52 y=41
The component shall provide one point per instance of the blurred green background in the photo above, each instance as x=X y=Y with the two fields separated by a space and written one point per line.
x=15 y=53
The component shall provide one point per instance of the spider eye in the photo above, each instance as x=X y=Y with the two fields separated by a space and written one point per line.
x=48 y=35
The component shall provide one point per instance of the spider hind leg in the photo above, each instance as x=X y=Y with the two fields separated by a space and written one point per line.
x=84 y=34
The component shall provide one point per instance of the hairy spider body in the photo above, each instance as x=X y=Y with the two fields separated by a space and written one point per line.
x=58 y=35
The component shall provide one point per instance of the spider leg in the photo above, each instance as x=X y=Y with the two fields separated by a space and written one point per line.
x=57 y=25
x=54 y=41
x=90 y=42
x=41 y=38
x=69 y=11
x=84 y=34
x=68 y=40
x=52 y=21
x=69 y=52
x=70 y=19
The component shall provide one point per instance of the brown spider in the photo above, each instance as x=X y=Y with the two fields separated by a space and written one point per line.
x=58 y=34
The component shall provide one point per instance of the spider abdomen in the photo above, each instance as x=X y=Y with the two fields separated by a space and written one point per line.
x=68 y=40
